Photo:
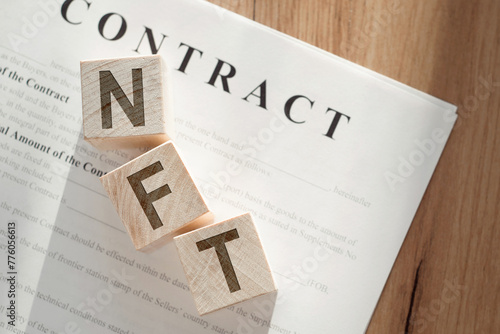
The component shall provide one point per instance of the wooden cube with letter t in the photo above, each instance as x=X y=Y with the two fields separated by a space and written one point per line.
x=125 y=102
x=155 y=195
x=224 y=263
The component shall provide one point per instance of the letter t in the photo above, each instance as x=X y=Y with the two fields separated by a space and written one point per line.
x=218 y=242
x=335 y=122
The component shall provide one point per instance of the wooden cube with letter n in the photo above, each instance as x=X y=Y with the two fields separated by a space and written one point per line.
x=125 y=102
x=155 y=195
x=224 y=263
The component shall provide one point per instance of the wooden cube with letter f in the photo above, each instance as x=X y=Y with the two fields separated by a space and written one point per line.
x=155 y=196
x=225 y=263
x=125 y=103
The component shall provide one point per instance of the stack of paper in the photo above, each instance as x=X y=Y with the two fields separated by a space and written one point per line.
x=331 y=159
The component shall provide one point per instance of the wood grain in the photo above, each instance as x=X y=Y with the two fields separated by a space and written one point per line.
x=125 y=102
x=154 y=195
x=446 y=277
x=224 y=264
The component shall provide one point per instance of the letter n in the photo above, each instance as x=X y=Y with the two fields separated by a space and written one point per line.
x=134 y=112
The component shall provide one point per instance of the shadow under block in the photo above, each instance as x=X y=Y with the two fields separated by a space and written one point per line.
x=154 y=195
x=224 y=263
x=125 y=103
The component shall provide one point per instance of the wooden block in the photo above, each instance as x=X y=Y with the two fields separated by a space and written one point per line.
x=224 y=263
x=154 y=195
x=124 y=102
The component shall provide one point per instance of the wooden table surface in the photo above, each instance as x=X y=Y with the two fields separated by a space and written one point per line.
x=447 y=276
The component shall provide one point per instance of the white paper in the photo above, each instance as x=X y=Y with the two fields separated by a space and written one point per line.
x=332 y=213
